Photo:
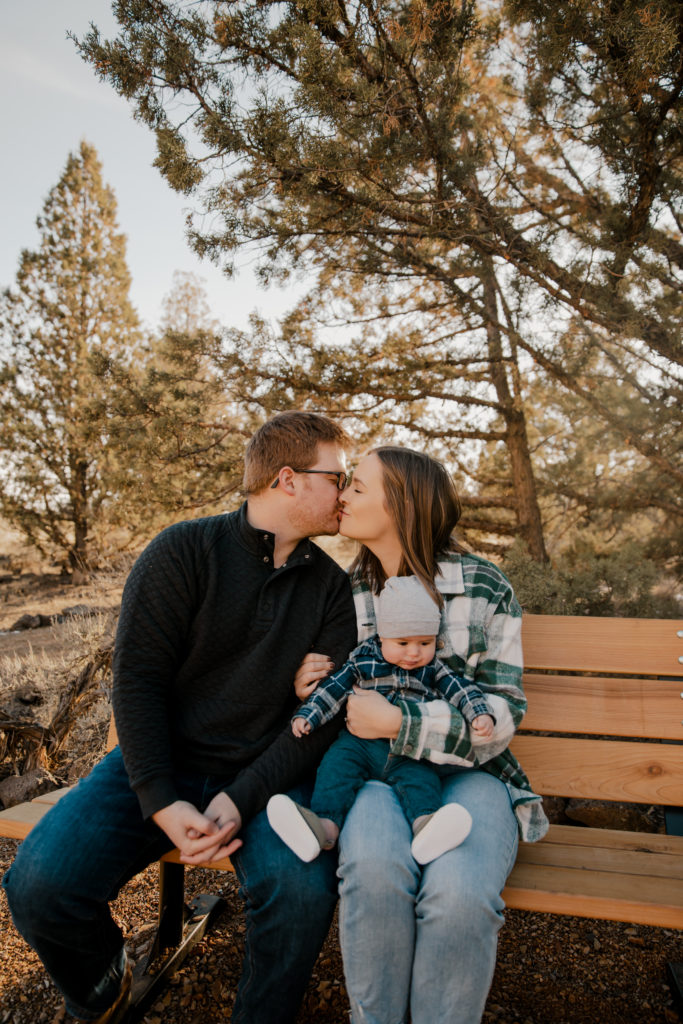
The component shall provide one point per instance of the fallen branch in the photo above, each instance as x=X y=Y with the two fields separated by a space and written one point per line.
x=35 y=745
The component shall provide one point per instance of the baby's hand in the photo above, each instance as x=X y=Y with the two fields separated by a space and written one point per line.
x=300 y=727
x=483 y=726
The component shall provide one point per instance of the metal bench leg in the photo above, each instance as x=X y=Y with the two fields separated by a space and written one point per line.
x=675 y=979
x=180 y=928
x=674 y=972
x=172 y=909
x=673 y=817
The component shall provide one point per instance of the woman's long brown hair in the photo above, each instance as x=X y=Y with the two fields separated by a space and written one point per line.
x=424 y=506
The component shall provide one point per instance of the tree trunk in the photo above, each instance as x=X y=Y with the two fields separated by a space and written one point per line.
x=78 y=555
x=525 y=497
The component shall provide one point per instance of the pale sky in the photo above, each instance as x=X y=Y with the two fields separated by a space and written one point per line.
x=50 y=101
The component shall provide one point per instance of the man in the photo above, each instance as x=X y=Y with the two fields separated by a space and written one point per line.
x=217 y=614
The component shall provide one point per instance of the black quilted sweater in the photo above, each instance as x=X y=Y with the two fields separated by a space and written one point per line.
x=209 y=638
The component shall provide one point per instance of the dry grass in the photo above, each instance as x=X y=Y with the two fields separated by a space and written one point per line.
x=49 y=594
x=55 y=703
x=15 y=554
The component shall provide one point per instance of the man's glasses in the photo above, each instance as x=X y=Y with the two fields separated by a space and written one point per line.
x=340 y=475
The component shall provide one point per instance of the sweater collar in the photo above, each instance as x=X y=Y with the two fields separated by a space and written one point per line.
x=262 y=542
x=259 y=542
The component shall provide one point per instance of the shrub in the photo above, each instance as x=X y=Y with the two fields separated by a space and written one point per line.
x=586 y=581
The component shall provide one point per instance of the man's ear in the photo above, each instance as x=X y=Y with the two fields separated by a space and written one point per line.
x=286 y=478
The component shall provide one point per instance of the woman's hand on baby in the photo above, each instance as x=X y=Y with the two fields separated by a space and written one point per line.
x=312 y=669
x=370 y=716
x=483 y=726
x=300 y=727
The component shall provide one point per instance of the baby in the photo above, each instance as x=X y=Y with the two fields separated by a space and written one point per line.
x=400 y=663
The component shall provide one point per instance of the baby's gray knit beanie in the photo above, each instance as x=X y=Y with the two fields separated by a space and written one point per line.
x=405 y=608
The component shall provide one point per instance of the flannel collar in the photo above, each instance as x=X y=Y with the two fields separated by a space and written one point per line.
x=450 y=579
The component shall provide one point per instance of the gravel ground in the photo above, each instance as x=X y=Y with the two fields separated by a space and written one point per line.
x=551 y=970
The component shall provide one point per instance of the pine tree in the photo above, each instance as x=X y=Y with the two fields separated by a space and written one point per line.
x=413 y=371
x=171 y=411
x=70 y=303
x=518 y=164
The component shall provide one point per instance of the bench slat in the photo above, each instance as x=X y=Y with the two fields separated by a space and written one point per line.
x=611 y=859
x=112 y=738
x=619 y=876
x=225 y=864
x=584 y=894
x=593 y=644
x=608 y=839
x=52 y=797
x=639 y=772
x=650 y=708
x=601 y=884
x=16 y=822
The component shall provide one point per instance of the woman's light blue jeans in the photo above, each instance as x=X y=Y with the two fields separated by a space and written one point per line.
x=418 y=939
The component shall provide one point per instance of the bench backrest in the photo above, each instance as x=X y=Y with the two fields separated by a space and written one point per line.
x=609 y=693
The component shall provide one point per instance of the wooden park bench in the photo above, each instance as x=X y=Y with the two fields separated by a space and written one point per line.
x=605 y=721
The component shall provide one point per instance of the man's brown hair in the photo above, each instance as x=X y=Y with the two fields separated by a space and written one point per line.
x=288 y=439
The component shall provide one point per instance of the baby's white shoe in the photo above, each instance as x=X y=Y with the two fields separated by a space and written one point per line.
x=297 y=826
x=441 y=831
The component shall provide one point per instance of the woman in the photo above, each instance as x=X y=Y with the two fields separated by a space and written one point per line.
x=423 y=940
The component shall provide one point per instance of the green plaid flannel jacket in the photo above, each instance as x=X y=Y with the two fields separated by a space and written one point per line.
x=480 y=640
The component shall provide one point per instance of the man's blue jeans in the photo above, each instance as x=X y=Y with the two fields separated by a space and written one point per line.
x=94 y=840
